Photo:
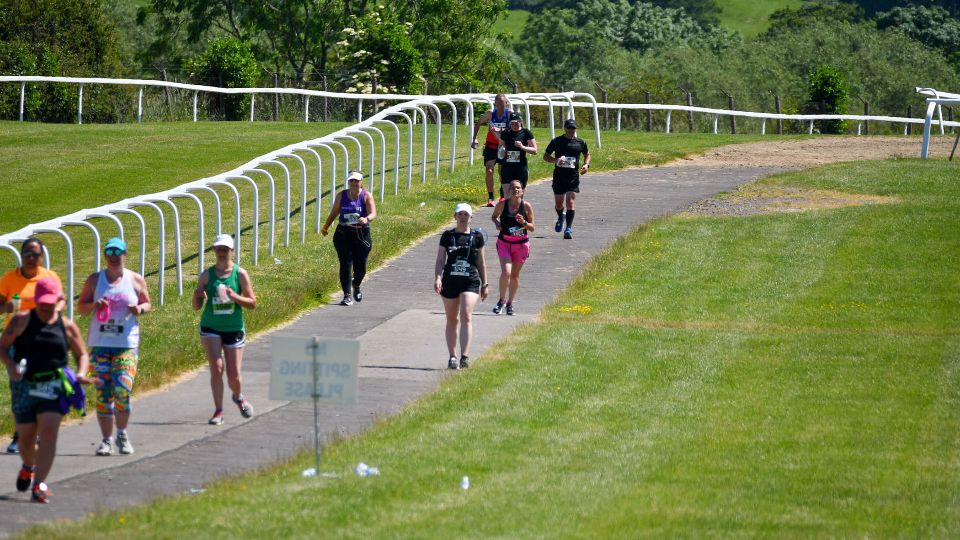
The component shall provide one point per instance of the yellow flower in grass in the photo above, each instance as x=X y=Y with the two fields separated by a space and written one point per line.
x=578 y=308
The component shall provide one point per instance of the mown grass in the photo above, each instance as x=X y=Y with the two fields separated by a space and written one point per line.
x=512 y=22
x=185 y=152
x=750 y=17
x=786 y=375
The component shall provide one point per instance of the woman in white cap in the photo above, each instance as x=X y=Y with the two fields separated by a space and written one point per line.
x=223 y=292
x=461 y=278
x=356 y=209
x=42 y=337
x=119 y=297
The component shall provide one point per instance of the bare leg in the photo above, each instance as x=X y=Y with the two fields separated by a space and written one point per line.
x=469 y=299
x=505 y=265
x=28 y=443
x=451 y=306
x=212 y=346
x=489 y=166
x=106 y=425
x=48 y=428
x=514 y=280
x=558 y=202
x=234 y=361
x=571 y=197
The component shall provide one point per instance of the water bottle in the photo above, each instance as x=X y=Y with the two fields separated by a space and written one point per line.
x=15 y=302
x=22 y=366
x=222 y=293
x=501 y=152
x=103 y=312
x=465 y=483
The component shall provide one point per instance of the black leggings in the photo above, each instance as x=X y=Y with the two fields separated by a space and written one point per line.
x=353 y=247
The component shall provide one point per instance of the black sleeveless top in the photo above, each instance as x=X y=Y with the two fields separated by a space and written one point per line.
x=509 y=225
x=43 y=345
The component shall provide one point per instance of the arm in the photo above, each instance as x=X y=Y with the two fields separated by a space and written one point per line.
x=484 y=118
x=586 y=161
x=86 y=304
x=6 y=306
x=246 y=299
x=496 y=214
x=79 y=350
x=200 y=293
x=334 y=212
x=10 y=334
x=438 y=268
x=371 y=209
x=482 y=271
x=547 y=154
x=143 y=296
x=528 y=223
x=531 y=147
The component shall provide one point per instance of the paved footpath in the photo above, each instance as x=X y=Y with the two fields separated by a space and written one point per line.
x=402 y=356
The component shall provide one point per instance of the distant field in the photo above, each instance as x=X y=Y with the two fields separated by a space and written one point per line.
x=749 y=17
x=513 y=22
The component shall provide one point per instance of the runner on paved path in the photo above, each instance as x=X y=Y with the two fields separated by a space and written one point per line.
x=517 y=141
x=497 y=119
x=355 y=208
x=564 y=152
x=513 y=217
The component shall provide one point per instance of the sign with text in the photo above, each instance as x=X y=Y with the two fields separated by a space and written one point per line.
x=299 y=361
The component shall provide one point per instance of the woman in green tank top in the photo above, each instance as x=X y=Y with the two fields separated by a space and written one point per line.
x=223 y=292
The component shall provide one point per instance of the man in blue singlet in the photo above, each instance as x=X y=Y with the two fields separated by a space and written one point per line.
x=497 y=118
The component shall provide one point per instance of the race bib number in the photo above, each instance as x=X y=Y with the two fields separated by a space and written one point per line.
x=351 y=219
x=111 y=329
x=517 y=231
x=44 y=390
x=513 y=156
x=460 y=268
x=223 y=307
x=565 y=162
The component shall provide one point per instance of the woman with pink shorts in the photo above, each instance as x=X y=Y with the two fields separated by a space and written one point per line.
x=513 y=217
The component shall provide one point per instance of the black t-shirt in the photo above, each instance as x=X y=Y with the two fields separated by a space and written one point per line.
x=515 y=158
x=461 y=252
x=571 y=150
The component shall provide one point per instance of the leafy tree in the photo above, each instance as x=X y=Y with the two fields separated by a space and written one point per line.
x=932 y=26
x=378 y=46
x=228 y=63
x=787 y=19
x=872 y=7
x=828 y=95
x=59 y=38
x=705 y=12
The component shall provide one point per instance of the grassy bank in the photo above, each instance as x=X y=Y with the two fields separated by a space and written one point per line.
x=784 y=374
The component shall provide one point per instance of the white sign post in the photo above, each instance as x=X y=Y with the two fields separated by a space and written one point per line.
x=314 y=368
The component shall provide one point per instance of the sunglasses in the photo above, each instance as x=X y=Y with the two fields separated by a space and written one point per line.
x=353 y=180
x=113 y=252
x=31 y=254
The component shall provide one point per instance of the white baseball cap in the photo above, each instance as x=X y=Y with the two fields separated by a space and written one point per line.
x=354 y=175
x=463 y=207
x=224 y=240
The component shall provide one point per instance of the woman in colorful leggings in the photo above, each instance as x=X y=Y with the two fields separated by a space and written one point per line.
x=119 y=297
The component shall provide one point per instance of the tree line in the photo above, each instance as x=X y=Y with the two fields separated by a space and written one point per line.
x=874 y=50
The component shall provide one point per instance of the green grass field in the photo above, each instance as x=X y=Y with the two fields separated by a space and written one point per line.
x=749 y=17
x=512 y=22
x=782 y=375
x=104 y=163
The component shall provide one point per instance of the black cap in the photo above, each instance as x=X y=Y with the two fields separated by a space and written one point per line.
x=570 y=123
x=515 y=116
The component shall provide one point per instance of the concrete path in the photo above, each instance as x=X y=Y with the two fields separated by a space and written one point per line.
x=400 y=327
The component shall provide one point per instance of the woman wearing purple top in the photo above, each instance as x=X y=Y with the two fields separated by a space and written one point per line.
x=355 y=209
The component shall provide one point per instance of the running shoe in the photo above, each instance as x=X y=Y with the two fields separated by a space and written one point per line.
x=464 y=362
x=568 y=234
x=498 y=309
x=490 y=203
x=452 y=363
x=24 y=478
x=216 y=419
x=347 y=300
x=105 y=448
x=14 y=446
x=246 y=409
x=357 y=294
x=509 y=309
x=41 y=494
x=123 y=443
x=558 y=226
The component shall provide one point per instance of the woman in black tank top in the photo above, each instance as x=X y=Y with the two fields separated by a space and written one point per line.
x=41 y=337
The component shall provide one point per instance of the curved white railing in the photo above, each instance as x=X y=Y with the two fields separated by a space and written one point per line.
x=935 y=104
x=265 y=167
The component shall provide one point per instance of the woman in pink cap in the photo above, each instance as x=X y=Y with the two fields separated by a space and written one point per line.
x=41 y=338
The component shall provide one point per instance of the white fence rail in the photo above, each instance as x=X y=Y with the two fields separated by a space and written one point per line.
x=935 y=105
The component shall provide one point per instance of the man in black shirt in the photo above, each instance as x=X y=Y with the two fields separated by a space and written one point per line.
x=517 y=141
x=565 y=153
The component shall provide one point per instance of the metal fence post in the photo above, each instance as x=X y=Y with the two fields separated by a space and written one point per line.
x=776 y=107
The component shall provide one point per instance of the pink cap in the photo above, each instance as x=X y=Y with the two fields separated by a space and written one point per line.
x=48 y=291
